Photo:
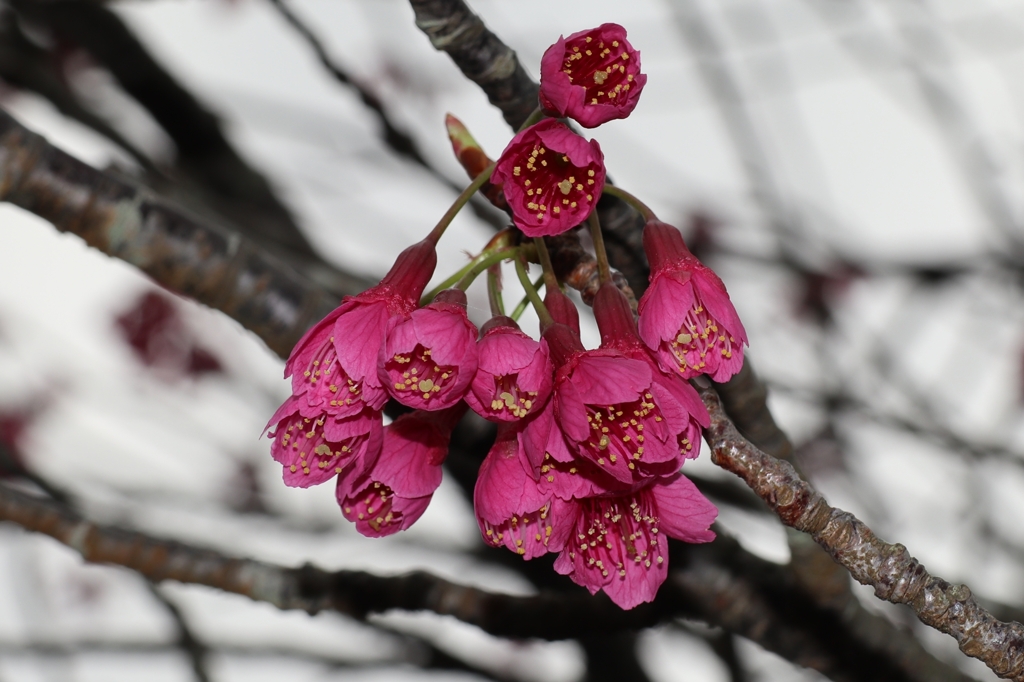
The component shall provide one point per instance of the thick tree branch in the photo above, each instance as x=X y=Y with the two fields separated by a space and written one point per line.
x=180 y=251
x=214 y=176
x=895 y=575
x=354 y=593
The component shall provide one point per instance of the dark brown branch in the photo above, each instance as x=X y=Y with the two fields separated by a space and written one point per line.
x=890 y=569
x=354 y=593
x=216 y=178
x=480 y=55
x=198 y=653
x=27 y=66
x=718 y=583
x=182 y=252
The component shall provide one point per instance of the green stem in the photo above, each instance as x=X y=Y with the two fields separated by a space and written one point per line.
x=603 y=270
x=446 y=219
x=535 y=116
x=531 y=293
x=545 y=263
x=525 y=301
x=494 y=297
x=641 y=208
x=470 y=270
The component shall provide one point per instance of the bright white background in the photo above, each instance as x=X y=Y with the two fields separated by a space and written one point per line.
x=866 y=171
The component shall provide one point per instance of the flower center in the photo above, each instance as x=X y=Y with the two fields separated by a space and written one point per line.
x=699 y=335
x=303 y=447
x=417 y=373
x=374 y=506
x=599 y=68
x=617 y=431
x=525 y=532
x=614 y=532
x=553 y=184
x=508 y=397
x=323 y=375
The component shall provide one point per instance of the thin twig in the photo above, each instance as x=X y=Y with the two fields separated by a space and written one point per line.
x=398 y=140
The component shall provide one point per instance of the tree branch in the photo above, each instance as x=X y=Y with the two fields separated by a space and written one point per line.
x=895 y=575
x=182 y=252
x=222 y=181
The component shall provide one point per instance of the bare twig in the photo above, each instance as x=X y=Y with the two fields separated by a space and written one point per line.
x=895 y=575
x=198 y=653
x=394 y=137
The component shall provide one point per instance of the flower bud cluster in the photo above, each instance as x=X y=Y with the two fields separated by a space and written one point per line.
x=590 y=442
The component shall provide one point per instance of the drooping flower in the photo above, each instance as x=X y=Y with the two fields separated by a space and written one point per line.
x=618 y=332
x=686 y=316
x=610 y=538
x=618 y=542
x=551 y=177
x=334 y=366
x=592 y=76
x=392 y=494
x=513 y=376
x=511 y=509
x=315 y=448
x=562 y=309
x=333 y=417
x=618 y=412
x=428 y=360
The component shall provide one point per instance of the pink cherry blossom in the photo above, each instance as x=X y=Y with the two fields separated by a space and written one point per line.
x=552 y=178
x=619 y=412
x=592 y=76
x=428 y=360
x=618 y=332
x=313 y=449
x=511 y=508
x=333 y=417
x=686 y=316
x=619 y=542
x=393 y=493
x=334 y=366
x=513 y=376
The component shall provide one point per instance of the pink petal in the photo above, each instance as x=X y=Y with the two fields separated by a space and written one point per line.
x=662 y=309
x=717 y=301
x=408 y=455
x=603 y=380
x=555 y=85
x=683 y=512
x=358 y=334
x=571 y=412
x=503 y=488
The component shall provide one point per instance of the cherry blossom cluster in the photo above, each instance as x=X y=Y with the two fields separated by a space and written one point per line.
x=590 y=445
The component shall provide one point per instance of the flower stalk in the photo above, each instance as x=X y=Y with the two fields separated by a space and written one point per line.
x=640 y=207
x=531 y=293
x=435 y=235
x=604 y=270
